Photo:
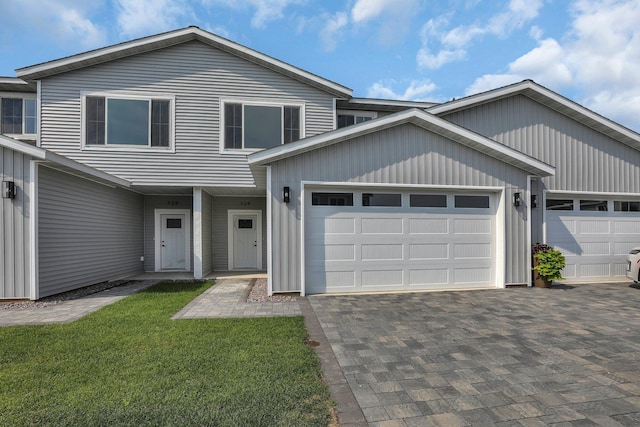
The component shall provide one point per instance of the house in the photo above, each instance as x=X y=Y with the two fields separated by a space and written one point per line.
x=185 y=151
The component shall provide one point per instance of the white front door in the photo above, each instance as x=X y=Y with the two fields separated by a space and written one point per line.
x=245 y=243
x=172 y=239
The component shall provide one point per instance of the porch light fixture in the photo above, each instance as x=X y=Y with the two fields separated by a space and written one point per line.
x=8 y=189
x=286 y=194
x=516 y=199
x=534 y=201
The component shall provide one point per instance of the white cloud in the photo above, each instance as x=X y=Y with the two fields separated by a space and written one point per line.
x=417 y=90
x=265 y=10
x=143 y=17
x=365 y=10
x=63 y=21
x=599 y=66
x=451 y=44
x=333 y=30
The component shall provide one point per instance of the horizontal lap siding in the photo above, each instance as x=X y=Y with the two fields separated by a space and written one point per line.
x=198 y=76
x=87 y=232
x=405 y=154
x=15 y=234
x=585 y=159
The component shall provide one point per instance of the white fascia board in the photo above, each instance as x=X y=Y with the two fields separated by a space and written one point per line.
x=12 y=80
x=167 y=39
x=415 y=116
x=22 y=147
x=479 y=98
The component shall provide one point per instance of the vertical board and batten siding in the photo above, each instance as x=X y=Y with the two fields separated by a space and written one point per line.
x=585 y=160
x=15 y=229
x=404 y=154
x=198 y=76
x=87 y=232
x=151 y=203
x=207 y=233
x=221 y=206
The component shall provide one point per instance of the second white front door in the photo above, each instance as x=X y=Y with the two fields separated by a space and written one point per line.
x=245 y=243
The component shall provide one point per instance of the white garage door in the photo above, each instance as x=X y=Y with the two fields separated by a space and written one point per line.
x=365 y=241
x=595 y=235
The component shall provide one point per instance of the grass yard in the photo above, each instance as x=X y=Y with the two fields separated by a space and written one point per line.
x=129 y=364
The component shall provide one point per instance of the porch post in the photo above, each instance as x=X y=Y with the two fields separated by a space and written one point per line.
x=197 y=233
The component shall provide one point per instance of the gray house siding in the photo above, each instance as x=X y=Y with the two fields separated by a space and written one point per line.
x=585 y=160
x=198 y=76
x=87 y=232
x=405 y=154
x=221 y=206
x=151 y=203
x=15 y=231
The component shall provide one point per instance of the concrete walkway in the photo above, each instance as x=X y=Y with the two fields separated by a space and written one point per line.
x=228 y=299
x=68 y=311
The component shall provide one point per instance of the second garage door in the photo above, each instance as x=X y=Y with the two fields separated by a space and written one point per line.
x=594 y=234
x=366 y=241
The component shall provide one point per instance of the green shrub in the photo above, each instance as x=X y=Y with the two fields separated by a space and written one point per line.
x=550 y=263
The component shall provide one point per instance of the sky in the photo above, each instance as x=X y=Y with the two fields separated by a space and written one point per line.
x=421 y=50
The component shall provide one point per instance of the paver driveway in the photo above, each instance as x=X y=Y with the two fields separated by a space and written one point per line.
x=567 y=356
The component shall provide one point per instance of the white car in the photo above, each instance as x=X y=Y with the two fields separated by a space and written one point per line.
x=633 y=264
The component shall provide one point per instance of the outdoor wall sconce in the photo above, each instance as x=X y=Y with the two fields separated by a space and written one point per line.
x=516 y=199
x=8 y=189
x=534 y=201
x=286 y=194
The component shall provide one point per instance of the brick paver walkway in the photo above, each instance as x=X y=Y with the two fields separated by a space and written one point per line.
x=68 y=311
x=512 y=357
x=228 y=299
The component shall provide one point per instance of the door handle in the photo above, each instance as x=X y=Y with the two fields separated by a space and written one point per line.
x=255 y=243
x=163 y=244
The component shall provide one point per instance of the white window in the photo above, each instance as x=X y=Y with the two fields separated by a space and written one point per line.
x=18 y=116
x=348 y=118
x=131 y=122
x=253 y=126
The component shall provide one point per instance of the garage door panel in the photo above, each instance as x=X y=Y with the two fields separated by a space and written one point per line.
x=472 y=226
x=335 y=225
x=429 y=251
x=382 y=278
x=374 y=252
x=472 y=275
x=382 y=225
x=332 y=252
x=627 y=227
x=429 y=226
x=594 y=227
x=559 y=227
x=595 y=270
x=428 y=277
x=472 y=250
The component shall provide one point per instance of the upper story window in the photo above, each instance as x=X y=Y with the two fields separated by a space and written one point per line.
x=348 y=118
x=122 y=121
x=18 y=116
x=250 y=126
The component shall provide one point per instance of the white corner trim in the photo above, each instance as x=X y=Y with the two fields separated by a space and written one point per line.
x=158 y=235
x=38 y=113
x=230 y=228
x=197 y=233
x=269 y=235
x=33 y=225
x=301 y=224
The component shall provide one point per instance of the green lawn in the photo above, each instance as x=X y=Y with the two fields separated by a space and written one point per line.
x=130 y=364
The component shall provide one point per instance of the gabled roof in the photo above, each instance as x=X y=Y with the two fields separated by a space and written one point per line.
x=549 y=98
x=414 y=116
x=62 y=163
x=172 y=38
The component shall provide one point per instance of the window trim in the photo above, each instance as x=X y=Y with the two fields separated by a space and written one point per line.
x=130 y=96
x=259 y=103
x=24 y=97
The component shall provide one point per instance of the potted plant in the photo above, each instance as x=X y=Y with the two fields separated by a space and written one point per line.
x=547 y=265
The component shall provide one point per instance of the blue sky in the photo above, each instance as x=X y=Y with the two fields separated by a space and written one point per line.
x=435 y=50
